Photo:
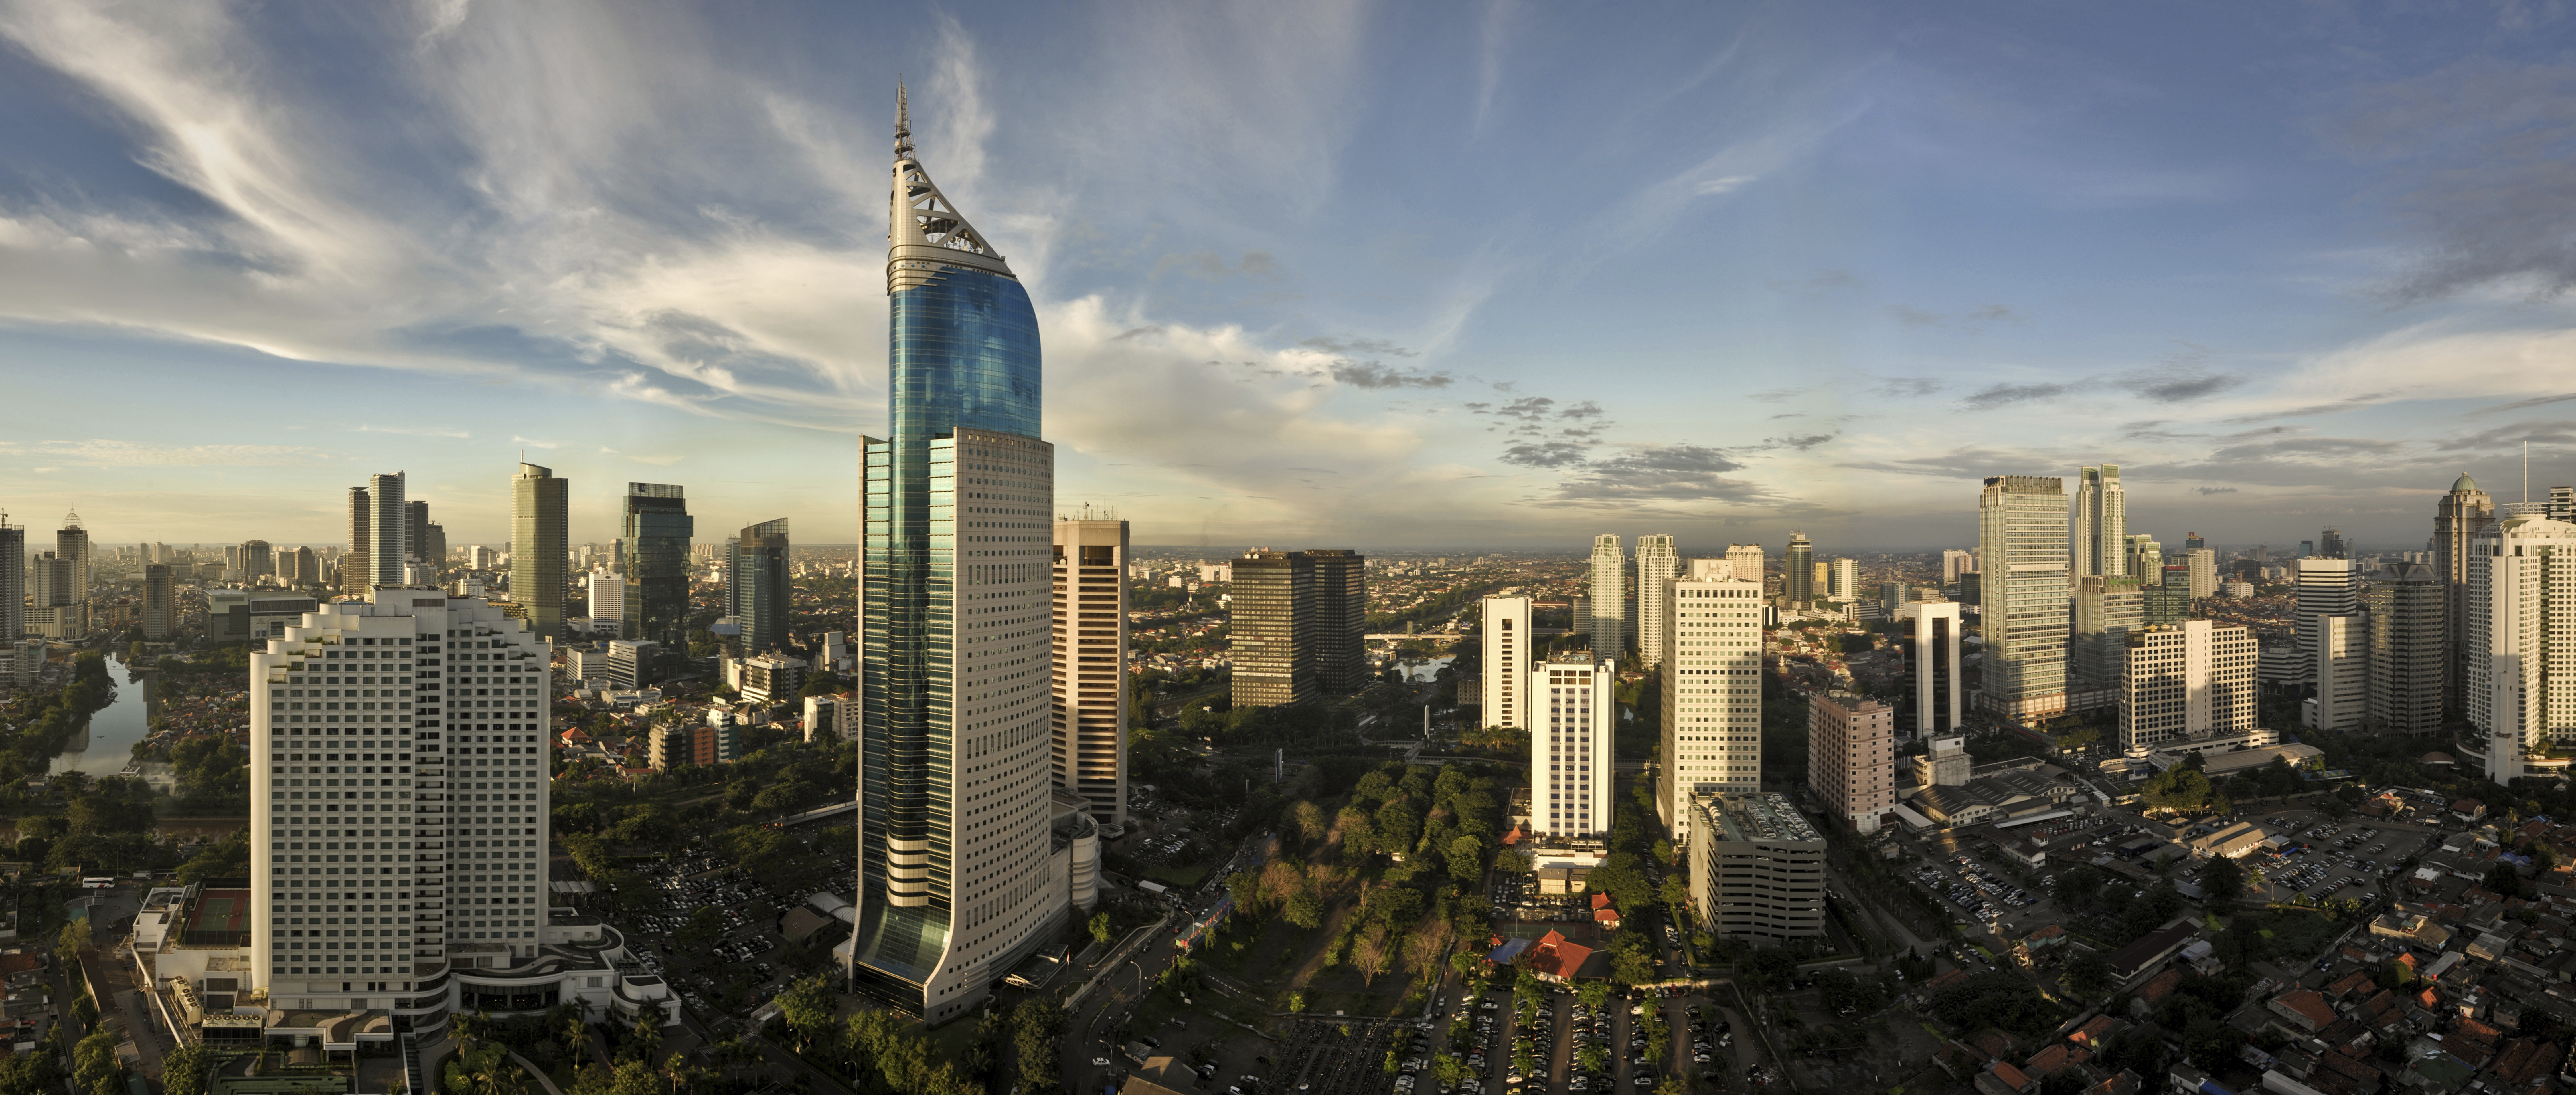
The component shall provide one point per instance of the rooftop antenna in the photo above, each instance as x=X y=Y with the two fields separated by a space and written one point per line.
x=2526 y=471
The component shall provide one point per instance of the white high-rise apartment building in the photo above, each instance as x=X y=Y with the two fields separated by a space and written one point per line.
x=399 y=813
x=1657 y=563
x=2204 y=573
x=2021 y=549
x=1955 y=562
x=1746 y=560
x=1508 y=648
x=2339 y=648
x=607 y=599
x=1091 y=664
x=2326 y=587
x=2098 y=527
x=2518 y=656
x=1571 y=773
x=388 y=530
x=2192 y=679
x=1610 y=627
x=1842 y=580
x=1712 y=732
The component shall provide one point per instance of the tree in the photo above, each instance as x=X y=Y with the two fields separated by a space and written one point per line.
x=2087 y=974
x=1304 y=909
x=635 y=1078
x=807 y=1006
x=184 y=1072
x=1593 y=994
x=703 y=927
x=1100 y=927
x=2224 y=879
x=1372 y=953
x=1037 y=1024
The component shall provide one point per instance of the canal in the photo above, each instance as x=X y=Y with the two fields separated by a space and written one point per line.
x=109 y=745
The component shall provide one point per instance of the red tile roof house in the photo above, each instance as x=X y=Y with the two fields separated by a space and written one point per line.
x=2099 y=1032
x=2154 y=992
x=2003 y=1079
x=1602 y=913
x=1553 y=958
x=2304 y=1008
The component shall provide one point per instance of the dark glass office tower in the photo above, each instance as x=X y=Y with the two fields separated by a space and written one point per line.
x=654 y=555
x=538 y=542
x=955 y=730
x=756 y=586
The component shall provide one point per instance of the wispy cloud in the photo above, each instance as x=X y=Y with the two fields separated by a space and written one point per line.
x=1993 y=396
x=110 y=453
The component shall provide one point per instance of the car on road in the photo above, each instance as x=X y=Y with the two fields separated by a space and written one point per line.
x=1100 y=1062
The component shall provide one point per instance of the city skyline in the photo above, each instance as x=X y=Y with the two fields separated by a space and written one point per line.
x=2265 y=295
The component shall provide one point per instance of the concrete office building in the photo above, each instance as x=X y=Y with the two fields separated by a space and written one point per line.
x=1757 y=868
x=2098 y=530
x=1851 y=757
x=1712 y=701
x=1842 y=580
x=2518 y=660
x=1507 y=648
x=608 y=602
x=2339 y=656
x=159 y=612
x=539 y=540
x=388 y=530
x=959 y=866
x=1657 y=564
x=1955 y=562
x=2195 y=679
x=2021 y=551
x=13 y=581
x=758 y=588
x=258 y=560
x=2146 y=559
x=2326 y=587
x=1572 y=776
x=2106 y=610
x=1611 y=631
x=1931 y=700
x=2168 y=601
x=1747 y=561
x=2408 y=606
x=632 y=663
x=1269 y=629
x=1090 y=660
x=2460 y=516
x=2204 y=573
x=1798 y=573
x=72 y=546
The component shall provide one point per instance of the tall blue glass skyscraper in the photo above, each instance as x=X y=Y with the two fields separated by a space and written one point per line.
x=958 y=876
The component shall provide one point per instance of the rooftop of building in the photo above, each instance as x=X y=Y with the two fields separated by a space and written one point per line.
x=1762 y=815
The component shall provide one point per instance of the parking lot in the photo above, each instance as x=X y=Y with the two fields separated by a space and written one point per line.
x=2330 y=862
x=743 y=966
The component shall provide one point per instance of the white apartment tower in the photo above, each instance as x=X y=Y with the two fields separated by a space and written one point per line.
x=1842 y=579
x=1712 y=732
x=1610 y=626
x=1656 y=565
x=1570 y=746
x=1091 y=664
x=2204 y=573
x=1746 y=560
x=2518 y=656
x=1955 y=562
x=2098 y=526
x=608 y=599
x=399 y=806
x=2192 y=679
x=1508 y=650
x=2326 y=587
x=2339 y=649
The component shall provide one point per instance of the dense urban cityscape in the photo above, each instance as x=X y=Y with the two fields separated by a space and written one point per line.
x=1649 y=791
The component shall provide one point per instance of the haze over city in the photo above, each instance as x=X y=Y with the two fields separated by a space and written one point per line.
x=1491 y=276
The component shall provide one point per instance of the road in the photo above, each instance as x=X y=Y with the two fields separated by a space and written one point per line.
x=1094 y=1030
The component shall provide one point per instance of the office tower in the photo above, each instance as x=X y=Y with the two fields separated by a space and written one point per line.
x=2330 y=544
x=1507 y=648
x=1657 y=564
x=1955 y=562
x=2098 y=525
x=1746 y=561
x=537 y=540
x=2106 y=610
x=481 y=558
x=1090 y=643
x=631 y=663
x=1340 y=620
x=2021 y=550
x=1712 y=701
x=2169 y=601
x=430 y=550
x=757 y=586
x=13 y=582
x=2458 y=518
x=2339 y=658
x=1757 y=868
x=2325 y=588
x=1929 y=701
x=2562 y=503
x=71 y=544
x=388 y=530
x=2515 y=660
x=303 y=567
x=655 y=537
x=2307 y=549
x=2191 y=541
x=2146 y=559
x=1842 y=580
x=1610 y=629
x=156 y=602
x=2408 y=608
x=1851 y=757
x=416 y=653
x=2204 y=573
x=1570 y=745
x=2195 y=679
x=954 y=874
x=50 y=584
x=1799 y=573
x=258 y=560
x=607 y=601
x=1268 y=630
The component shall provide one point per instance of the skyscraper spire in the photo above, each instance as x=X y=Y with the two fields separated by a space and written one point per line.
x=902 y=123
x=925 y=231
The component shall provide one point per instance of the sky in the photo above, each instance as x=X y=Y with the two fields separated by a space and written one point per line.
x=1333 y=273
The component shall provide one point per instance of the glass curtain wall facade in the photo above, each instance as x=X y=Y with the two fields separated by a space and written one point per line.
x=655 y=538
x=1798 y=580
x=955 y=724
x=538 y=541
x=758 y=579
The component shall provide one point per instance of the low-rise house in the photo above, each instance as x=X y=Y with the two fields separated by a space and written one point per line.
x=2305 y=1009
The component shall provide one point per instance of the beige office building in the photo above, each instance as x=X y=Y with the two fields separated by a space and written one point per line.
x=1851 y=757
x=2193 y=679
x=1712 y=732
x=1090 y=665
x=1508 y=650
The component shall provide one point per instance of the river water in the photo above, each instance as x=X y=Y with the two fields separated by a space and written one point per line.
x=109 y=746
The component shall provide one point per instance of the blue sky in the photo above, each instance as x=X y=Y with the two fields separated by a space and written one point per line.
x=1328 y=273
